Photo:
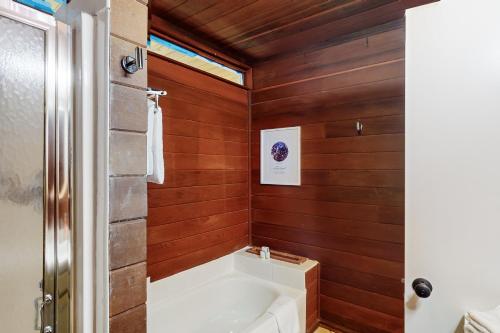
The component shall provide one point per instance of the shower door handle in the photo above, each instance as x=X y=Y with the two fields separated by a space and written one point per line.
x=38 y=313
x=40 y=303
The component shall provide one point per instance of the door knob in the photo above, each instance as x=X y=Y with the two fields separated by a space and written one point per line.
x=422 y=287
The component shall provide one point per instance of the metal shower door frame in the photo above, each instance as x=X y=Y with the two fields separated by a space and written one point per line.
x=57 y=275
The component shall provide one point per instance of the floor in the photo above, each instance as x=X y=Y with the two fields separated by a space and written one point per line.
x=323 y=330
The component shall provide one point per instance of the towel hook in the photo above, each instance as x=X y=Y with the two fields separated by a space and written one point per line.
x=132 y=64
x=156 y=94
x=359 y=127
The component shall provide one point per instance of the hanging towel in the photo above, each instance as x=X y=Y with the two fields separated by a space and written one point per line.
x=482 y=322
x=149 y=137
x=155 y=165
x=285 y=312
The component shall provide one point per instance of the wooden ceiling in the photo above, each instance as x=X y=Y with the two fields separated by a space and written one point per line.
x=255 y=30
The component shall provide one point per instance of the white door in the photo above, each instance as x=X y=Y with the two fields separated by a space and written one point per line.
x=452 y=161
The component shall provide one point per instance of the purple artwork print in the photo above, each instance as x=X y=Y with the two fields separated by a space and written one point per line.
x=279 y=151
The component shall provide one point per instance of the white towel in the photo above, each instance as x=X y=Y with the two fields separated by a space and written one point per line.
x=149 y=136
x=472 y=327
x=482 y=322
x=155 y=165
x=285 y=312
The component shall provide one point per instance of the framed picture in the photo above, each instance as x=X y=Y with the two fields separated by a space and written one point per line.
x=280 y=156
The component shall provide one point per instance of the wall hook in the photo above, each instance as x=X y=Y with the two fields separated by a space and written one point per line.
x=132 y=64
x=153 y=93
x=359 y=127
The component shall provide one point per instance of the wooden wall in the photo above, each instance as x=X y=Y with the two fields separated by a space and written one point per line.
x=348 y=213
x=202 y=211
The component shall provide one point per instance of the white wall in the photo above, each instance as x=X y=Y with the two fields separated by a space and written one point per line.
x=452 y=161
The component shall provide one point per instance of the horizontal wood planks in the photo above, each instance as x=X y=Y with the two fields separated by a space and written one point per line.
x=202 y=210
x=349 y=211
x=259 y=30
x=312 y=298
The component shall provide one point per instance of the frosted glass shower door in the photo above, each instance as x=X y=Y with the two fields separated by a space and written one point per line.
x=22 y=108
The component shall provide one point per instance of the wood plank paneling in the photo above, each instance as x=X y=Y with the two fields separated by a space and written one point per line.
x=327 y=30
x=376 y=178
x=329 y=257
x=184 y=246
x=359 y=212
x=159 y=197
x=353 y=54
x=186 y=228
x=320 y=100
x=202 y=90
x=315 y=116
x=356 y=76
x=203 y=162
x=362 y=195
x=179 y=264
x=364 y=247
x=257 y=30
x=181 y=212
x=189 y=145
x=202 y=210
x=312 y=298
x=193 y=79
x=331 y=226
x=389 y=305
x=358 y=318
x=370 y=282
x=183 y=178
x=349 y=212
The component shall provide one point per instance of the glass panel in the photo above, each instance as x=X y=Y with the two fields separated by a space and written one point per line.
x=22 y=95
x=180 y=54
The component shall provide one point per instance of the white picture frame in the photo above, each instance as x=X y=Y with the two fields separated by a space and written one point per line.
x=280 y=156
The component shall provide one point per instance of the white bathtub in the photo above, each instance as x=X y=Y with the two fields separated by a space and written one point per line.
x=219 y=298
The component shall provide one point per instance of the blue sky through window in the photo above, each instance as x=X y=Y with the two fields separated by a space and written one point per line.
x=46 y=6
x=178 y=53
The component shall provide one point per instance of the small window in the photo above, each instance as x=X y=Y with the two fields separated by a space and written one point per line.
x=188 y=57
x=46 y=6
